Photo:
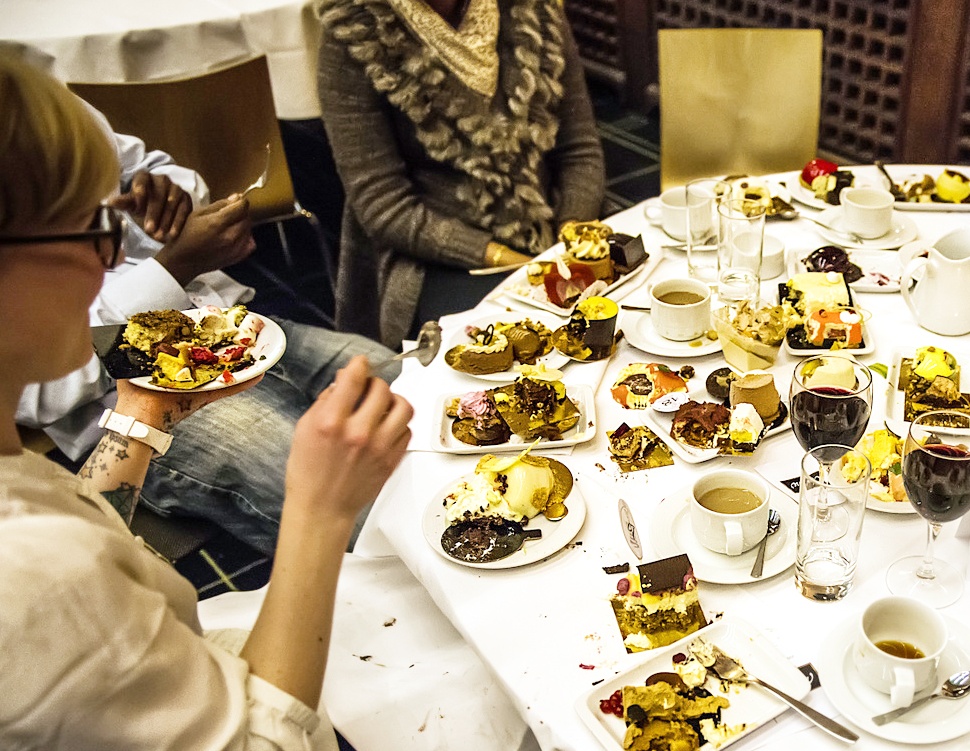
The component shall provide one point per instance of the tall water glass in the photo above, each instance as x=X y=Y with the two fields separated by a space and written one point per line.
x=741 y=233
x=701 y=199
x=936 y=475
x=831 y=505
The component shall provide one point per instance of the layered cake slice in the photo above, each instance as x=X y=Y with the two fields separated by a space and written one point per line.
x=658 y=604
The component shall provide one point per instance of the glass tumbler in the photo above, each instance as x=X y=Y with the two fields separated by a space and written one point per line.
x=831 y=506
x=701 y=199
x=741 y=225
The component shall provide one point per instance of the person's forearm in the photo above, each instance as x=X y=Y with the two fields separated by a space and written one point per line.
x=289 y=643
x=117 y=468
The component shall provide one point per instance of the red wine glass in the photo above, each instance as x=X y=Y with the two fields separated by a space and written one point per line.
x=830 y=401
x=936 y=475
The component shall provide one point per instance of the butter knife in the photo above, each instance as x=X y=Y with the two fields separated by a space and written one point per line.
x=629 y=527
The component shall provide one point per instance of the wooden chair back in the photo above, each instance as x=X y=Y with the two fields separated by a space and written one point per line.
x=737 y=101
x=217 y=123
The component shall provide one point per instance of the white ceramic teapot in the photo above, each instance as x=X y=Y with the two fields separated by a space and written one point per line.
x=936 y=282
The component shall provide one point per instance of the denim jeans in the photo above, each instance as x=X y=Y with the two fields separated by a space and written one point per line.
x=227 y=462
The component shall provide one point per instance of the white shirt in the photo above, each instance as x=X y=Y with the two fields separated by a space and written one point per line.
x=100 y=644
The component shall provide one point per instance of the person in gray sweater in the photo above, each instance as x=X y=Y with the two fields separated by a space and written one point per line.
x=464 y=137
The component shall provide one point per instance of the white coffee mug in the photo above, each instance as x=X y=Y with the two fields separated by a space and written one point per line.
x=671 y=214
x=867 y=211
x=680 y=309
x=725 y=532
x=899 y=623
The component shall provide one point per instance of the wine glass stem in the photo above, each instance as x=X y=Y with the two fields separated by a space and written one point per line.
x=925 y=571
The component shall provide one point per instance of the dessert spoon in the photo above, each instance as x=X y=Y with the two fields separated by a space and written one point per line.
x=261 y=180
x=954 y=687
x=790 y=214
x=893 y=188
x=429 y=342
x=774 y=521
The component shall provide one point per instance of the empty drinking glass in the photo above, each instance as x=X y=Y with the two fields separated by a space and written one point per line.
x=741 y=233
x=701 y=198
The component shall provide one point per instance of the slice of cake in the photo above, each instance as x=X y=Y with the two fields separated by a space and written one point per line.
x=658 y=604
x=812 y=290
x=637 y=448
x=825 y=326
x=489 y=352
x=587 y=244
x=536 y=408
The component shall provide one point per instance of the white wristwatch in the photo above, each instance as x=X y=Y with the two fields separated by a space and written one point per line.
x=130 y=427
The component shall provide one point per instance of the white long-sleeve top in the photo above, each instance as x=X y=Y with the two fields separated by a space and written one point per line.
x=68 y=409
x=100 y=644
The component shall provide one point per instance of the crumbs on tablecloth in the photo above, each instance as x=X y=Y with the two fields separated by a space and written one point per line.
x=584 y=666
x=390 y=622
x=600 y=467
x=619 y=568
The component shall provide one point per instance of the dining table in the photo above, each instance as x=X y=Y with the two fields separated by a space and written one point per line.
x=119 y=41
x=544 y=625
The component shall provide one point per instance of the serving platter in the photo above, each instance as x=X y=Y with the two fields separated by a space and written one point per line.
x=750 y=706
x=584 y=430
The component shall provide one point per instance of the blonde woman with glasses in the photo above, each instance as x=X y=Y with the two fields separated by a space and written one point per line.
x=100 y=646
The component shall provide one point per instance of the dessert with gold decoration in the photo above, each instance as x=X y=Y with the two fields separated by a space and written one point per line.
x=590 y=333
x=639 y=385
x=930 y=380
x=636 y=448
x=498 y=346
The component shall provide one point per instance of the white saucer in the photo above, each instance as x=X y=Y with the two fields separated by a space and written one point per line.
x=935 y=722
x=639 y=331
x=902 y=232
x=671 y=534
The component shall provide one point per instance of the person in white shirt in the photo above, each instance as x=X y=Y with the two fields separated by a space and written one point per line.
x=100 y=643
x=174 y=254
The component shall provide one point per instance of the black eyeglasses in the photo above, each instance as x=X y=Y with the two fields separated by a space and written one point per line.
x=108 y=223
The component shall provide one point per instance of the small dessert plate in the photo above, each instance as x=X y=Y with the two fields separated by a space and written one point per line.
x=519 y=289
x=935 y=722
x=266 y=352
x=880 y=270
x=639 y=331
x=662 y=421
x=867 y=345
x=903 y=231
x=553 y=360
x=555 y=535
x=750 y=706
x=671 y=534
x=584 y=430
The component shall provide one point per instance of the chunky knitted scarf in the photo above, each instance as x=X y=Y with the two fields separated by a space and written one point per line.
x=498 y=142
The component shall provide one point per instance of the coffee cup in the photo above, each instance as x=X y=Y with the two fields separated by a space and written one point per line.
x=680 y=309
x=671 y=214
x=898 y=646
x=729 y=510
x=868 y=212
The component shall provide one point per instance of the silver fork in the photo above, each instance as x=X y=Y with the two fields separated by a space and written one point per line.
x=261 y=180
x=729 y=670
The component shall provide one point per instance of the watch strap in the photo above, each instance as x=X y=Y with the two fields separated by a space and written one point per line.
x=139 y=431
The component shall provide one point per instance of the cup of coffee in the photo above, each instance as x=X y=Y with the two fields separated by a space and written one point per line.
x=867 y=211
x=680 y=309
x=729 y=510
x=671 y=215
x=898 y=646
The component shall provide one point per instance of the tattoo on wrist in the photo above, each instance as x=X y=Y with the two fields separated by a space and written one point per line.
x=124 y=498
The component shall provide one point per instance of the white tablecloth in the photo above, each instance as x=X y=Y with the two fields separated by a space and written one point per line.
x=540 y=627
x=109 y=41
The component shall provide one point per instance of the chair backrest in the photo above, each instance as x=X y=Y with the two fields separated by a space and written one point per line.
x=217 y=123
x=737 y=101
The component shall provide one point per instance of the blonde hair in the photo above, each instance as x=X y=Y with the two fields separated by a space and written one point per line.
x=55 y=160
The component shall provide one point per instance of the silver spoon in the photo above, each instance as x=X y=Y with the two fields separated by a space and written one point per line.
x=774 y=521
x=954 y=687
x=429 y=342
x=789 y=214
x=261 y=180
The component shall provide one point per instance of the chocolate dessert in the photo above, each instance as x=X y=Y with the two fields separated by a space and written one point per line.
x=639 y=385
x=833 y=258
x=702 y=425
x=637 y=448
x=758 y=389
x=488 y=352
x=535 y=408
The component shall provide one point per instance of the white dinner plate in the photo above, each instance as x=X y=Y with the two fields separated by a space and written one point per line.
x=553 y=359
x=584 y=430
x=869 y=176
x=880 y=270
x=269 y=348
x=639 y=331
x=903 y=231
x=935 y=722
x=535 y=294
x=671 y=534
x=749 y=705
x=662 y=421
x=555 y=535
